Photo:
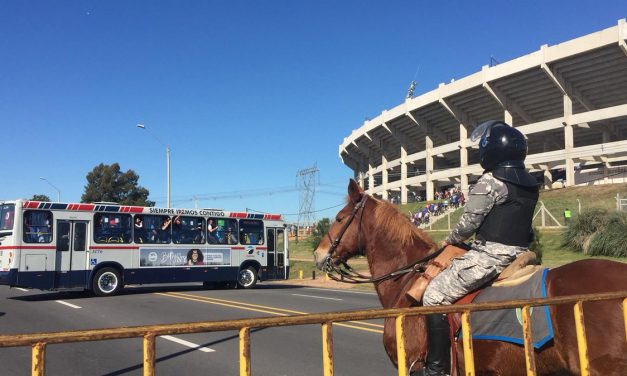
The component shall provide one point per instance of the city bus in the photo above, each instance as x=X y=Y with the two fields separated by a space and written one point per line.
x=104 y=246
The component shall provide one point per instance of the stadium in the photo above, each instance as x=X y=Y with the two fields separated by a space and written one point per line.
x=570 y=101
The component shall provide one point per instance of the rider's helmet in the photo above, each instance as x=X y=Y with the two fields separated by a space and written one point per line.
x=500 y=145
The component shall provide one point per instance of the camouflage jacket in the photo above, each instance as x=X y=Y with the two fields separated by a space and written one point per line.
x=488 y=191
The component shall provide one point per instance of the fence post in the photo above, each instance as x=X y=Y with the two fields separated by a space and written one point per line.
x=244 y=352
x=581 y=339
x=469 y=358
x=39 y=359
x=327 y=348
x=530 y=359
x=149 y=354
x=400 y=345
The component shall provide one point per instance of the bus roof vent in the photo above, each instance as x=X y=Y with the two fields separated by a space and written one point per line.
x=105 y=203
x=214 y=209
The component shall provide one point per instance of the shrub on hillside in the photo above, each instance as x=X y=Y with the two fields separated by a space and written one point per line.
x=581 y=230
x=598 y=233
x=611 y=240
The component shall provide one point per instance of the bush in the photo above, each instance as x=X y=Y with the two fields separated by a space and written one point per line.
x=611 y=240
x=536 y=245
x=581 y=230
x=598 y=233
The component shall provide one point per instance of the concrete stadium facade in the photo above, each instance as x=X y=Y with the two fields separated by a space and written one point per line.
x=570 y=101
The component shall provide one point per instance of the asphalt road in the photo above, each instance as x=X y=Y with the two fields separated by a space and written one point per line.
x=296 y=350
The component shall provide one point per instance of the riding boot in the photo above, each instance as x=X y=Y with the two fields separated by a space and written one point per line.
x=439 y=353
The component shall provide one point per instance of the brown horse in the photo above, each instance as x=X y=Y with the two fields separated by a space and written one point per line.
x=374 y=228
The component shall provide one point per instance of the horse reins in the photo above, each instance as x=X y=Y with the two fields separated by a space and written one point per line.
x=347 y=274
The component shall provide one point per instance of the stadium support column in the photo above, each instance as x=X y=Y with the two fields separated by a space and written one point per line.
x=429 y=165
x=370 y=176
x=569 y=141
x=384 y=177
x=403 y=175
x=362 y=173
x=463 y=158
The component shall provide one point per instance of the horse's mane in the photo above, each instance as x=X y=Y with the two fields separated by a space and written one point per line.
x=397 y=226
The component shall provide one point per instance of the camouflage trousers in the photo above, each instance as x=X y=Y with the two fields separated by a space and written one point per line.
x=469 y=272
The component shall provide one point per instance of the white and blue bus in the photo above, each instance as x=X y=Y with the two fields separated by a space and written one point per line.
x=104 y=246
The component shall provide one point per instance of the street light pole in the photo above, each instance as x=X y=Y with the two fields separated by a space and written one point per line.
x=53 y=186
x=167 y=157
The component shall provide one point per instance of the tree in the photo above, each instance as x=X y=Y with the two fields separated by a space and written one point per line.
x=322 y=228
x=108 y=183
x=42 y=198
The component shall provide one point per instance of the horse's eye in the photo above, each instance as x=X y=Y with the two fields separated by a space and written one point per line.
x=338 y=219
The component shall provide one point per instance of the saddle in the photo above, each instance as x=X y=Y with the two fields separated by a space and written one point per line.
x=517 y=269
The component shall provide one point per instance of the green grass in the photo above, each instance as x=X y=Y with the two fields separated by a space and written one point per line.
x=554 y=253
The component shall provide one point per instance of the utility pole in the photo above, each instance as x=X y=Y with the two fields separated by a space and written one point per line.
x=307 y=186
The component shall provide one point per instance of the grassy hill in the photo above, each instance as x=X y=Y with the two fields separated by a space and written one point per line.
x=555 y=200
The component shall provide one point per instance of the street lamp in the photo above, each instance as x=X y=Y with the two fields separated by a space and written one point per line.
x=53 y=186
x=167 y=156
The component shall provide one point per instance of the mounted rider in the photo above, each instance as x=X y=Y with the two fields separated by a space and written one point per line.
x=499 y=212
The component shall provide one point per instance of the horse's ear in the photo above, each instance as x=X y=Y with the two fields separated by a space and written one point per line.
x=354 y=191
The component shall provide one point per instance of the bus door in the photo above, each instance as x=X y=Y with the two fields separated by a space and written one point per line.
x=276 y=253
x=71 y=255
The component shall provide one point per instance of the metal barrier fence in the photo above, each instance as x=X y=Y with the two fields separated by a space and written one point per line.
x=38 y=341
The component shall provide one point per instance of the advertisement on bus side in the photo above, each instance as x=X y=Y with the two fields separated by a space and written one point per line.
x=150 y=257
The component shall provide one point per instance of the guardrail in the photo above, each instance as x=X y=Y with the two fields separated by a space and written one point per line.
x=39 y=341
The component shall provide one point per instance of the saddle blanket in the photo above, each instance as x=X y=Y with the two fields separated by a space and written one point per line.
x=506 y=324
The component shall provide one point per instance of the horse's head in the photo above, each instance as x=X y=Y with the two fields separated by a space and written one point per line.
x=342 y=242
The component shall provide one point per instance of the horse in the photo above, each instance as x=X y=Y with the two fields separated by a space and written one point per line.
x=376 y=229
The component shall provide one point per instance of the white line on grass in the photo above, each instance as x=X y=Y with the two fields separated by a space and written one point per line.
x=21 y=289
x=67 y=304
x=187 y=343
x=317 y=297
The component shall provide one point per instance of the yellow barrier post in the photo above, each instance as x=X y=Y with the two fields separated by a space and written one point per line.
x=469 y=360
x=327 y=348
x=244 y=352
x=581 y=339
x=300 y=274
x=149 y=354
x=625 y=315
x=400 y=345
x=530 y=358
x=39 y=359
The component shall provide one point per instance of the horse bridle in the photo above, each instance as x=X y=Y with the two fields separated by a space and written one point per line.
x=345 y=273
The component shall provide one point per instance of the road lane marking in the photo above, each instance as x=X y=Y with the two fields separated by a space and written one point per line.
x=346 y=291
x=67 y=304
x=237 y=304
x=188 y=344
x=21 y=289
x=317 y=297
x=266 y=309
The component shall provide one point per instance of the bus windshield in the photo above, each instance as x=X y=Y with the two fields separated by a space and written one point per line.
x=7 y=213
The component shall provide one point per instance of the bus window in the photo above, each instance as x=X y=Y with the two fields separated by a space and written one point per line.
x=63 y=236
x=188 y=230
x=225 y=231
x=251 y=231
x=7 y=213
x=37 y=226
x=112 y=228
x=80 y=234
x=153 y=229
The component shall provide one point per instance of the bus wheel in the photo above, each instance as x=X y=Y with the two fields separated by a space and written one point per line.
x=106 y=282
x=247 y=278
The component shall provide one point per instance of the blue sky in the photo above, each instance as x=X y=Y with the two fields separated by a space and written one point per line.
x=246 y=93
